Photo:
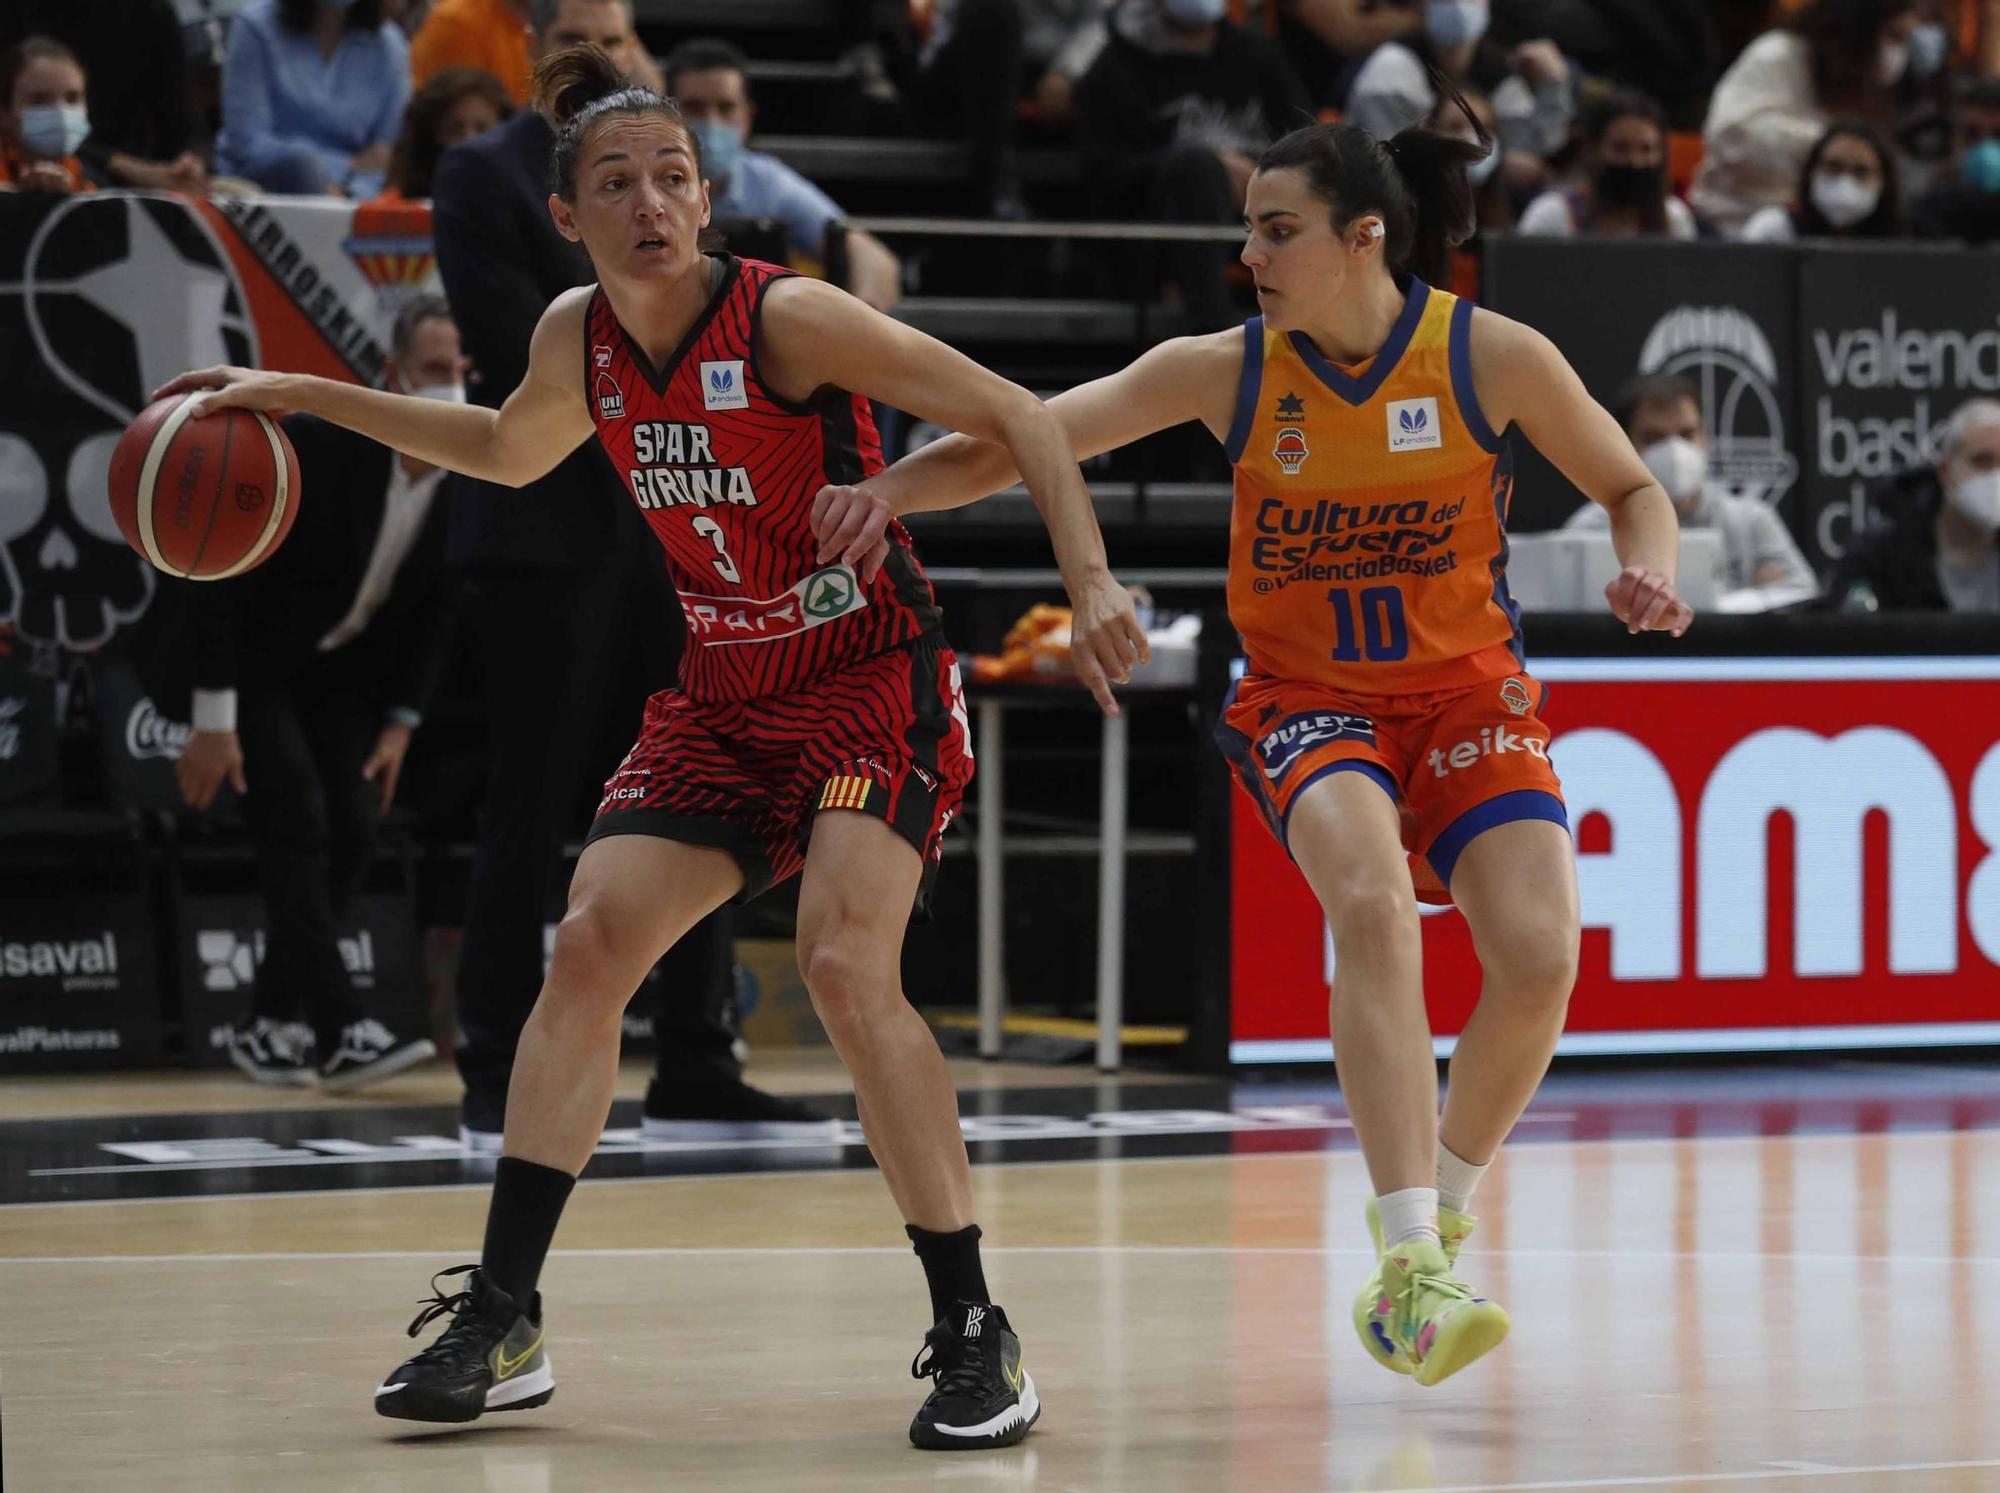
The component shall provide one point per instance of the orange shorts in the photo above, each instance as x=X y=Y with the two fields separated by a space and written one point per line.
x=1458 y=762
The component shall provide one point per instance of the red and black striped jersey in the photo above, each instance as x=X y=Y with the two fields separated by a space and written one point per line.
x=725 y=470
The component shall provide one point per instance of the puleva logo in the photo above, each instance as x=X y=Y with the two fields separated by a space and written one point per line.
x=722 y=386
x=1413 y=425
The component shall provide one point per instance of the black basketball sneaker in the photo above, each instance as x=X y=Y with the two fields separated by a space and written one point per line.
x=489 y=1358
x=982 y=1396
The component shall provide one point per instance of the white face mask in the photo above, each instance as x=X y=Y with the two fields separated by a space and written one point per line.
x=1678 y=465
x=1891 y=63
x=443 y=393
x=1842 y=200
x=1977 y=498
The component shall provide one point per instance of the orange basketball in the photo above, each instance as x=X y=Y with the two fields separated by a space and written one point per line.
x=207 y=498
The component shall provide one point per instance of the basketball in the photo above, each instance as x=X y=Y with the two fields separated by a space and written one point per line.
x=204 y=498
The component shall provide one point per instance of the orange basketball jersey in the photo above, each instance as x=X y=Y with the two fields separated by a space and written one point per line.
x=1368 y=541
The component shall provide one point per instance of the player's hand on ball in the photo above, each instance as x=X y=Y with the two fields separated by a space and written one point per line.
x=852 y=526
x=241 y=388
x=1106 y=641
x=1645 y=601
x=210 y=758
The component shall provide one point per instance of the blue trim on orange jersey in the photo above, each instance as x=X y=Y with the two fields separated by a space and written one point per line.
x=1461 y=378
x=1249 y=385
x=1503 y=598
x=1358 y=391
x=1506 y=808
x=1374 y=770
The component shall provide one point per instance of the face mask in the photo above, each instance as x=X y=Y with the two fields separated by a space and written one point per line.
x=1981 y=168
x=1842 y=200
x=1629 y=186
x=1891 y=63
x=1455 y=23
x=1678 y=465
x=1977 y=498
x=721 y=148
x=54 y=130
x=1480 y=172
x=1194 y=12
x=442 y=393
x=1929 y=47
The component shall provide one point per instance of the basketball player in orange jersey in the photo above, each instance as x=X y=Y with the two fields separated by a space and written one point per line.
x=818 y=726
x=1363 y=413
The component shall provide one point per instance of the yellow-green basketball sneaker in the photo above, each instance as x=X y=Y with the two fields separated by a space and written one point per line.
x=1435 y=1319
x=1374 y=1311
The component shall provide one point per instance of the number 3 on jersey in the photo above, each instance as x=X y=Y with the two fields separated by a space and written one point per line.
x=1384 y=634
x=710 y=530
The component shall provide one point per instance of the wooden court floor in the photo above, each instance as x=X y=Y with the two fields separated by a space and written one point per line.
x=1810 y=1312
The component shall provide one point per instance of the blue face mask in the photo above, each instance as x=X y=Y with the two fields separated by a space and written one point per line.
x=1982 y=166
x=721 y=148
x=1929 y=48
x=1194 y=12
x=1456 y=23
x=54 y=130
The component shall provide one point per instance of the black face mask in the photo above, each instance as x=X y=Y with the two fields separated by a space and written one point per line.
x=1629 y=186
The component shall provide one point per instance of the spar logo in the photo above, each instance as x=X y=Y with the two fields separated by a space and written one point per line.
x=821 y=597
x=1829 y=787
x=1729 y=357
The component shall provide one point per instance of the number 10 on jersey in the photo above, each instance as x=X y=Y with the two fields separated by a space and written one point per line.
x=1382 y=637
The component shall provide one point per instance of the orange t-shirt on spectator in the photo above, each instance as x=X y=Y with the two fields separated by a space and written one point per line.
x=11 y=162
x=474 y=33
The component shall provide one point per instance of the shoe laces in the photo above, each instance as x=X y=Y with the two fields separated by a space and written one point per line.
x=1417 y=1283
x=464 y=1343
x=955 y=1364
x=372 y=1033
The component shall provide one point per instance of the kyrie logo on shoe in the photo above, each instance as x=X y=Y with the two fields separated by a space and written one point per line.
x=975 y=1320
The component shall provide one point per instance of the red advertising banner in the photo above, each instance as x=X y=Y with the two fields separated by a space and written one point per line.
x=1771 y=854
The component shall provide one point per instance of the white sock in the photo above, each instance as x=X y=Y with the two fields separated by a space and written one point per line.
x=1458 y=1179
x=1409 y=1214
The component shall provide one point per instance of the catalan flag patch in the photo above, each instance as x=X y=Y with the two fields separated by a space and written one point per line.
x=846 y=793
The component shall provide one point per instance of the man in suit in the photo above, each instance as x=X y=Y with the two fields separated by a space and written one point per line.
x=310 y=674
x=574 y=622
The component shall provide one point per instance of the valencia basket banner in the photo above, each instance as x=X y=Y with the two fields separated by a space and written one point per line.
x=104 y=297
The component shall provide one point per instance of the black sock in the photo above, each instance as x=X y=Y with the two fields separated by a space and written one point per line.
x=951 y=1267
x=527 y=1203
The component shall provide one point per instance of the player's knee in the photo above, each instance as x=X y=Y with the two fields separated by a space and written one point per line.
x=845 y=982
x=1370 y=915
x=1535 y=965
x=588 y=967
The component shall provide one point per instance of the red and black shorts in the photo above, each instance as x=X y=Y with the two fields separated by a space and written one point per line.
x=887 y=737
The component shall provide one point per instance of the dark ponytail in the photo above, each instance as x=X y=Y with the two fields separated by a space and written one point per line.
x=1415 y=182
x=579 y=86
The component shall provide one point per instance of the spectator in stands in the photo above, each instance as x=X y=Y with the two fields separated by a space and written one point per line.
x=131 y=51
x=1966 y=205
x=1664 y=49
x=983 y=56
x=1939 y=549
x=1661 y=413
x=1173 y=114
x=457 y=104
x=44 y=121
x=500 y=36
x=1327 y=40
x=1530 y=86
x=710 y=81
x=1838 y=57
x=310 y=674
x=1624 y=192
x=1848 y=188
x=312 y=96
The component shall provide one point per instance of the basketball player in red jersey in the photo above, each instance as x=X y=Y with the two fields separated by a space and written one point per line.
x=818 y=725
x=1363 y=413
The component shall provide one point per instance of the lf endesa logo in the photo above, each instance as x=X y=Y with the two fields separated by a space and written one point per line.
x=1829 y=786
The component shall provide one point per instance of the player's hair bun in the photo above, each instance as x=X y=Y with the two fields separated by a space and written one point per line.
x=570 y=81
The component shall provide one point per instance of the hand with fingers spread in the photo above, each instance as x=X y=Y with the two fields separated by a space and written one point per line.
x=208 y=760
x=1645 y=601
x=238 y=388
x=852 y=527
x=1105 y=641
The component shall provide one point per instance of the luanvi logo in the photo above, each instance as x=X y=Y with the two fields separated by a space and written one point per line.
x=80 y=963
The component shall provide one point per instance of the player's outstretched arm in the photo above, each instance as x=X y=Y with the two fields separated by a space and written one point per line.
x=542 y=421
x=813 y=336
x=1522 y=378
